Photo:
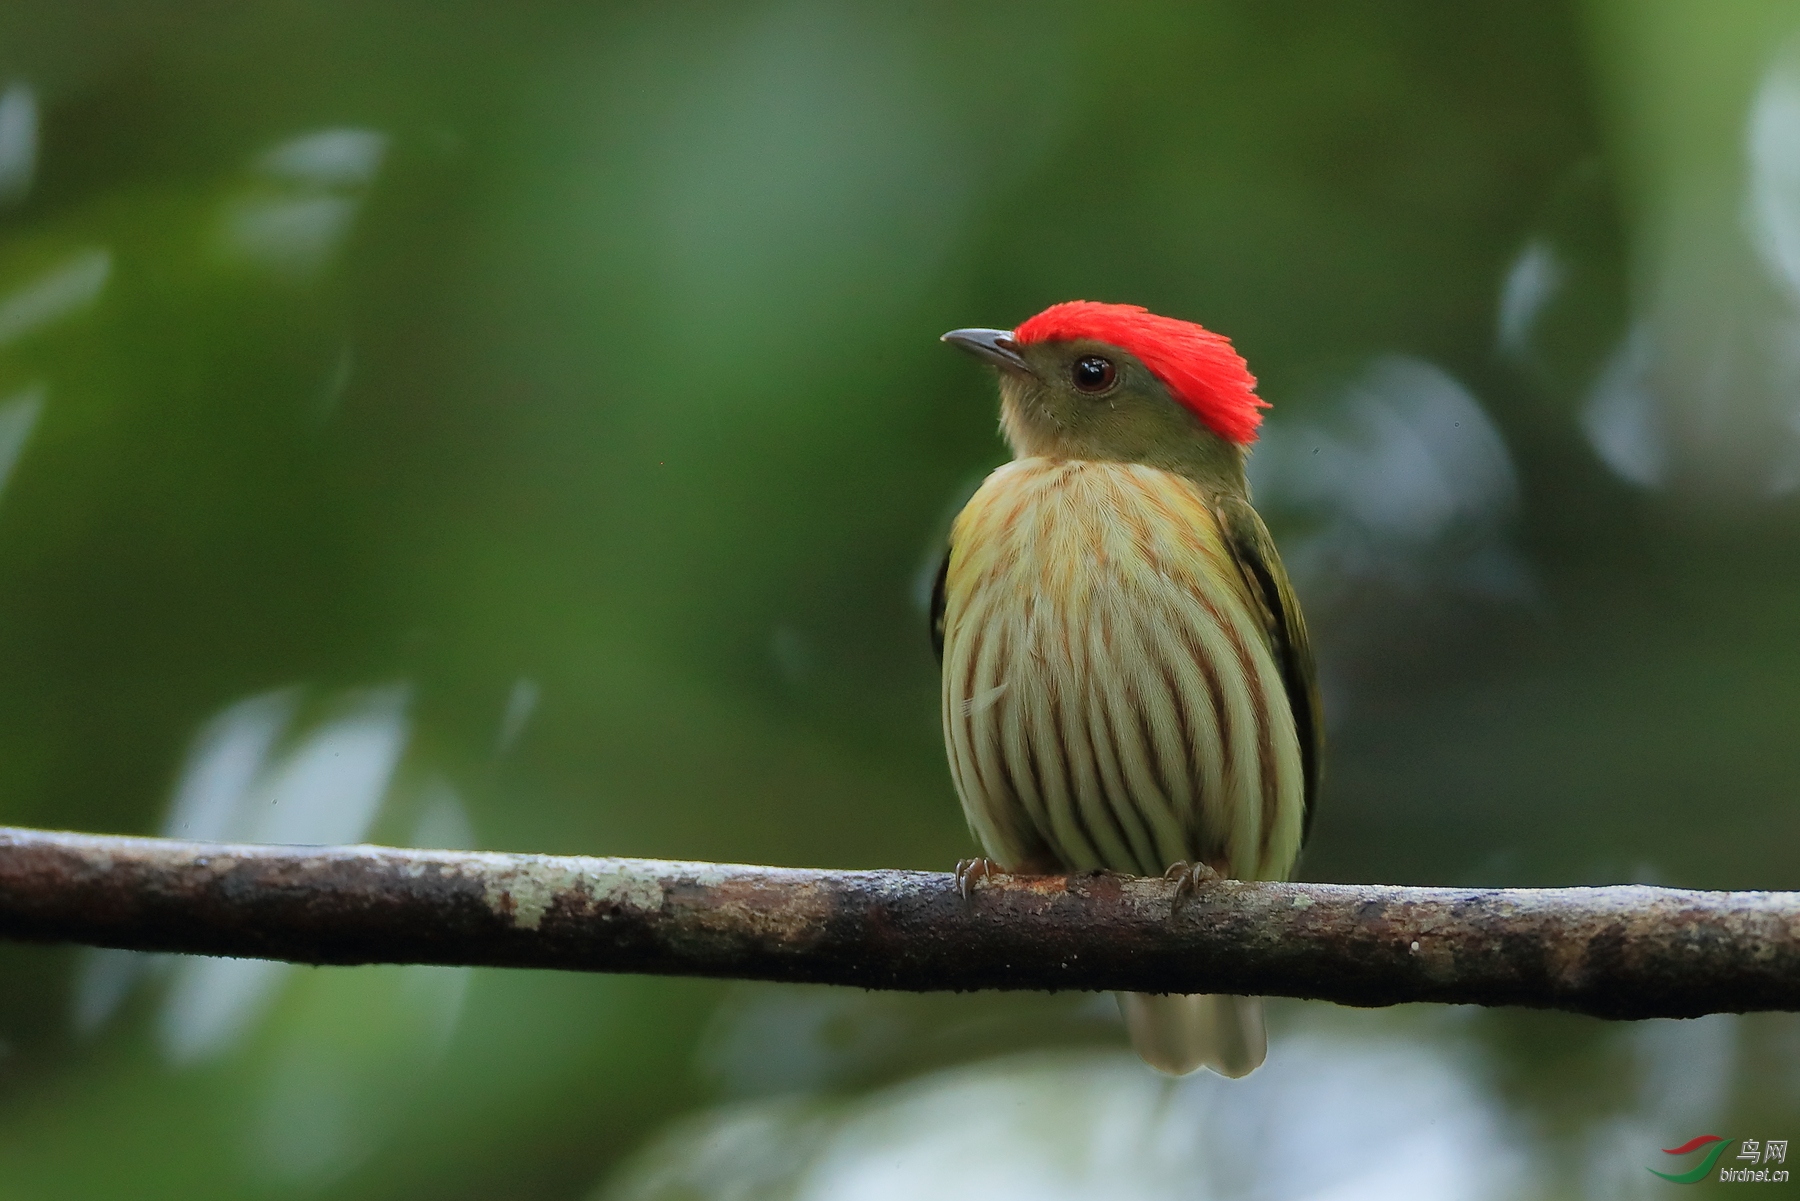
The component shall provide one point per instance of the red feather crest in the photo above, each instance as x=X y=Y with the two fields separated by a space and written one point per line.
x=1197 y=366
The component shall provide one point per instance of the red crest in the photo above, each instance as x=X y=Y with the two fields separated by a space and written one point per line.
x=1198 y=367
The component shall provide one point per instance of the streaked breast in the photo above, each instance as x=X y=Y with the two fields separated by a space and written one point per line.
x=1109 y=700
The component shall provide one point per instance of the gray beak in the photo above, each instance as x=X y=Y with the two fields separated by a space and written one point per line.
x=994 y=345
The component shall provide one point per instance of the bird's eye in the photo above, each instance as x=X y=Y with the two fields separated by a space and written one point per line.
x=1093 y=373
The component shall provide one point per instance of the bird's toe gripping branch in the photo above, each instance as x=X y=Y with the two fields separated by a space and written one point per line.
x=968 y=871
x=1188 y=878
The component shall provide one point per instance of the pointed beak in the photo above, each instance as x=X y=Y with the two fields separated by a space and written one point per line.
x=994 y=345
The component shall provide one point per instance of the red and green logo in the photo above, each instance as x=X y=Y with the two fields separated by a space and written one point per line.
x=1716 y=1147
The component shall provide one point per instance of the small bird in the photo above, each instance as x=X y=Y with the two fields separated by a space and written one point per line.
x=1127 y=682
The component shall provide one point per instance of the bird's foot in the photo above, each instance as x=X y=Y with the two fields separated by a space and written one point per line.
x=1188 y=878
x=968 y=871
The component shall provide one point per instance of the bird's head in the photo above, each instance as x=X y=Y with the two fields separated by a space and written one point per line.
x=1083 y=380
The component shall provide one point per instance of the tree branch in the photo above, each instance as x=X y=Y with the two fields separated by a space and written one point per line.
x=1618 y=952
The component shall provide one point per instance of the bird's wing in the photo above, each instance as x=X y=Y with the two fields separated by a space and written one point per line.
x=1279 y=612
x=937 y=606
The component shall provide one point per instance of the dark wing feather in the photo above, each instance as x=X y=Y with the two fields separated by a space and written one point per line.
x=937 y=606
x=1286 y=628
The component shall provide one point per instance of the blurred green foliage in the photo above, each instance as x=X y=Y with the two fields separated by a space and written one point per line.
x=572 y=369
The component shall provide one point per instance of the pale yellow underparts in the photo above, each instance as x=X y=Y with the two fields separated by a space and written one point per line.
x=1110 y=701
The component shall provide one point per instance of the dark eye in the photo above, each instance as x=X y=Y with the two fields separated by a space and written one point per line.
x=1093 y=373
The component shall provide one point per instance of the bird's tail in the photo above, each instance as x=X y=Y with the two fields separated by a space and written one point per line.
x=1176 y=1033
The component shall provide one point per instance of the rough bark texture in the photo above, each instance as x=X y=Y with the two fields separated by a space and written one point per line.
x=1620 y=952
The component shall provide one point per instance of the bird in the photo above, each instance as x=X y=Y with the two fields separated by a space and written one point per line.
x=1128 y=684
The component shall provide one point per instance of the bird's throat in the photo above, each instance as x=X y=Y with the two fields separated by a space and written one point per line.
x=1034 y=429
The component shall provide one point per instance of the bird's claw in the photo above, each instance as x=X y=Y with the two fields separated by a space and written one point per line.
x=968 y=871
x=1188 y=878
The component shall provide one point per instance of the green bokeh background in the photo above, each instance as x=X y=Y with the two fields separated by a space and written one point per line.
x=584 y=394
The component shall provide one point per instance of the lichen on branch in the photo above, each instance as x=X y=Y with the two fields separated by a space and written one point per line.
x=1614 y=952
